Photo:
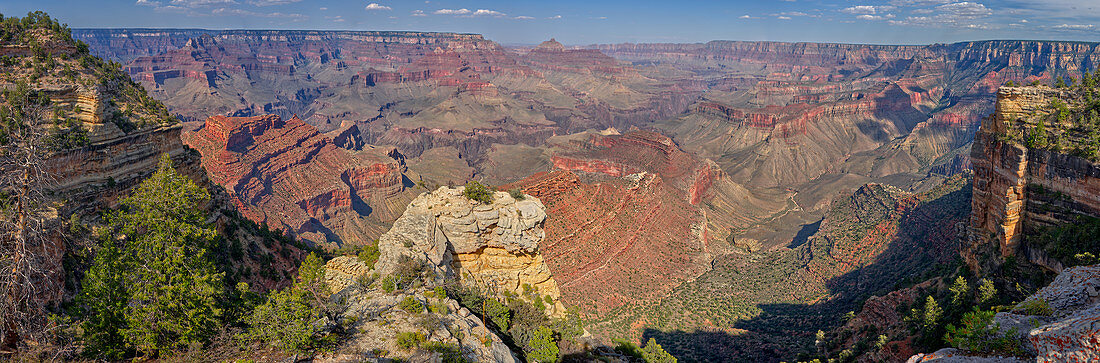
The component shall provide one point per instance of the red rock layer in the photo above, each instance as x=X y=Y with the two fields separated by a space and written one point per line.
x=287 y=174
x=614 y=243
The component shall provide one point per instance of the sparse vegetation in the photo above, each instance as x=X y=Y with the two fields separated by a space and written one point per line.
x=411 y=305
x=978 y=334
x=476 y=191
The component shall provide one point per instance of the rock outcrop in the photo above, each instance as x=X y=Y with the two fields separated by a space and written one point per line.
x=1017 y=188
x=493 y=246
x=377 y=318
x=288 y=175
x=1066 y=332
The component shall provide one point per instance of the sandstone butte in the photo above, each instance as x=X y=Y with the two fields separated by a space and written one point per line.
x=493 y=246
x=1013 y=184
x=290 y=176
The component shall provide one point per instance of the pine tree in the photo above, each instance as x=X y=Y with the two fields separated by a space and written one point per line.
x=932 y=313
x=986 y=291
x=959 y=291
x=654 y=353
x=160 y=271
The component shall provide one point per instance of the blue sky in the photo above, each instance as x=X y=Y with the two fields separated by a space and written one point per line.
x=587 y=22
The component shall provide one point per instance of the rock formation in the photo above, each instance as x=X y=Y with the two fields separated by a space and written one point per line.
x=493 y=246
x=1067 y=334
x=288 y=175
x=377 y=320
x=1014 y=185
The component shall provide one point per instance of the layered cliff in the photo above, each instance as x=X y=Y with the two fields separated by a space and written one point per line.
x=1031 y=170
x=286 y=174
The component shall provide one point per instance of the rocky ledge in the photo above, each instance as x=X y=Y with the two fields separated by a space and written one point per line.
x=379 y=318
x=1066 y=332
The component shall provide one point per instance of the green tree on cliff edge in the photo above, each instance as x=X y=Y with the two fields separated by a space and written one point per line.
x=152 y=287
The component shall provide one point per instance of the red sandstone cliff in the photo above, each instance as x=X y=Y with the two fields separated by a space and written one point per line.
x=288 y=175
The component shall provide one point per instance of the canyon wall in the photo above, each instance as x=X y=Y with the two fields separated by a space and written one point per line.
x=1017 y=188
x=288 y=175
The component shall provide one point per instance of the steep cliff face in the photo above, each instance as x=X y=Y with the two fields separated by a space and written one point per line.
x=494 y=246
x=288 y=175
x=1018 y=188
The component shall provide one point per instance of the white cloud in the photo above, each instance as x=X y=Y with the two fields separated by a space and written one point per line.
x=875 y=17
x=377 y=6
x=555 y=17
x=861 y=9
x=783 y=17
x=467 y=12
x=524 y=17
x=228 y=11
x=965 y=9
x=452 y=12
x=271 y=2
x=1075 y=26
x=418 y=13
x=322 y=8
x=487 y=12
x=868 y=9
x=919 y=2
x=146 y=3
x=746 y=16
x=195 y=3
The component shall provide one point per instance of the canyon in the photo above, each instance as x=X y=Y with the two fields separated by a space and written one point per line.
x=684 y=184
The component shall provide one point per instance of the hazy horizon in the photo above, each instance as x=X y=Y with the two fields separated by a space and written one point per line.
x=885 y=22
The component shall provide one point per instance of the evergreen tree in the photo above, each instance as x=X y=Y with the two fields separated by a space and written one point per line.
x=160 y=271
x=959 y=291
x=543 y=347
x=986 y=291
x=932 y=313
x=654 y=353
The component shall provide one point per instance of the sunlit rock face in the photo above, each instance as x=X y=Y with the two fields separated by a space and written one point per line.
x=494 y=246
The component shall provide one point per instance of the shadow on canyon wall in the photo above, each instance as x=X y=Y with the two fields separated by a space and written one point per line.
x=927 y=243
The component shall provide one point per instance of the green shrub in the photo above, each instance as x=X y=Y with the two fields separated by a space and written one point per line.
x=959 y=291
x=543 y=348
x=412 y=305
x=369 y=254
x=931 y=314
x=158 y=289
x=449 y=352
x=1036 y=306
x=409 y=340
x=366 y=279
x=389 y=284
x=517 y=194
x=628 y=349
x=285 y=321
x=977 y=334
x=439 y=308
x=478 y=192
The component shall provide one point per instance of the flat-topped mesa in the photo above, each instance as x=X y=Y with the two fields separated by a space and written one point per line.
x=493 y=246
x=287 y=174
x=1021 y=182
